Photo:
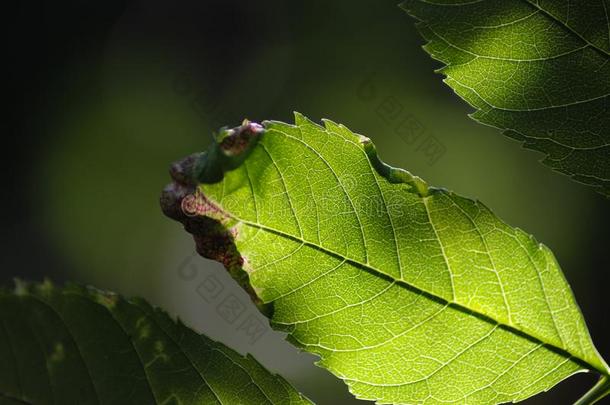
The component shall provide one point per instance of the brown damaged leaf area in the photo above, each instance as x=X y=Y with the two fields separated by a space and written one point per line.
x=240 y=138
x=183 y=201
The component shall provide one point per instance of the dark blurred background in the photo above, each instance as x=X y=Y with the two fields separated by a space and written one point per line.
x=104 y=95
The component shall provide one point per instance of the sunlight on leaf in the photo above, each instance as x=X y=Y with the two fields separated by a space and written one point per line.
x=409 y=293
x=539 y=70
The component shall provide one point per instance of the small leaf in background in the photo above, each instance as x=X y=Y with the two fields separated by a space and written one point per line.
x=79 y=345
x=538 y=70
x=411 y=294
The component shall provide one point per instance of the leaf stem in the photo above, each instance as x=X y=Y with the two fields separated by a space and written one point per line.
x=600 y=390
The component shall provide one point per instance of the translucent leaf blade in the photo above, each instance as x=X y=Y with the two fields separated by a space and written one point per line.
x=537 y=69
x=410 y=294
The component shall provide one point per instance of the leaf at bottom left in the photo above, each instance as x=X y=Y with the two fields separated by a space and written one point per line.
x=79 y=345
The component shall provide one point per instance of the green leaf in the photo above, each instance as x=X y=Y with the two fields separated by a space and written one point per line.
x=409 y=293
x=79 y=345
x=539 y=70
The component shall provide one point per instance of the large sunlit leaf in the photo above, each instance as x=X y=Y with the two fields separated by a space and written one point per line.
x=540 y=70
x=77 y=345
x=409 y=293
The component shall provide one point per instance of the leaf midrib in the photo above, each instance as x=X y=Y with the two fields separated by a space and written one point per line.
x=548 y=15
x=550 y=107
x=429 y=295
x=567 y=27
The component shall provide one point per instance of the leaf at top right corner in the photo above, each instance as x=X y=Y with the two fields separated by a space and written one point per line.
x=539 y=70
